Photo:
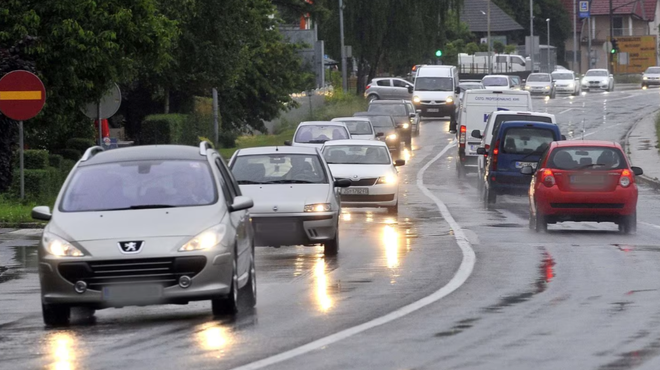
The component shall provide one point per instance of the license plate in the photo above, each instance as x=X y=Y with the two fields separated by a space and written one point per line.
x=526 y=164
x=433 y=110
x=132 y=293
x=268 y=227
x=355 y=191
x=473 y=148
x=588 y=180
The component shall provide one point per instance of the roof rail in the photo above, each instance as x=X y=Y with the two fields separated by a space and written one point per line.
x=89 y=153
x=204 y=146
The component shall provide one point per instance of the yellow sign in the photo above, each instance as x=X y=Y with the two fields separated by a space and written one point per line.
x=642 y=53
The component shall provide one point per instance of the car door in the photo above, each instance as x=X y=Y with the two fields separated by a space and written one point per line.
x=384 y=88
x=400 y=89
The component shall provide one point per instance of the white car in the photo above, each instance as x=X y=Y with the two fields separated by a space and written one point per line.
x=598 y=79
x=497 y=82
x=360 y=128
x=566 y=82
x=315 y=133
x=294 y=194
x=651 y=77
x=540 y=84
x=369 y=166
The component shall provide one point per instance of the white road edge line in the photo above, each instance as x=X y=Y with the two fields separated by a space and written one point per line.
x=462 y=274
x=650 y=225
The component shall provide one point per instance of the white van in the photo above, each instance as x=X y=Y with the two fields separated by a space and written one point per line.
x=495 y=119
x=476 y=107
x=436 y=92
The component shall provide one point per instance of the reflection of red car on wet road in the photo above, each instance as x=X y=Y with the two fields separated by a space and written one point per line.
x=583 y=181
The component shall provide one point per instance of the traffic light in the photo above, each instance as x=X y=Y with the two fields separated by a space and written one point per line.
x=438 y=53
x=615 y=46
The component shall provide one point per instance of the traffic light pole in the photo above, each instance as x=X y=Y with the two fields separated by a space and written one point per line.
x=610 y=57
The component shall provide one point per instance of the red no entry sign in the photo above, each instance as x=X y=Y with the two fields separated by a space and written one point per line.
x=22 y=95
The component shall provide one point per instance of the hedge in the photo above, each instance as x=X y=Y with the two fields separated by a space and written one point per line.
x=71 y=154
x=80 y=144
x=33 y=159
x=55 y=161
x=67 y=165
x=40 y=185
x=163 y=129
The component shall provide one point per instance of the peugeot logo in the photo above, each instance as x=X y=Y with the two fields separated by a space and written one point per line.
x=131 y=247
x=355 y=176
x=275 y=208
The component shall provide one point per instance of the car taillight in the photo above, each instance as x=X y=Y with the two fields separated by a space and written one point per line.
x=368 y=86
x=462 y=136
x=625 y=178
x=487 y=147
x=548 y=178
x=496 y=151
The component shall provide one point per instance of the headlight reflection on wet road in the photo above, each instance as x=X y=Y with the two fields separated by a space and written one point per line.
x=321 y=285
x=62 y=350
x=215 y=339
x=391 y=242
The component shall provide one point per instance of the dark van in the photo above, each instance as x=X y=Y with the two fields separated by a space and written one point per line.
x=517 y=144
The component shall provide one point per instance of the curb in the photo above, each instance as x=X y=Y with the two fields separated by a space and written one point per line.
x=643 y=178
x=22 y=225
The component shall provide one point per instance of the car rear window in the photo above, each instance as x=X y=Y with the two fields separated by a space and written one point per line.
x=358 y=127
x=140 y=184
x=495 y=81
x=389 y=109
x=526 y=140
x=516 y=117
x=320 y=134
x=279 y=169
x=593 y=158
x=356 y=154
x=382 y=121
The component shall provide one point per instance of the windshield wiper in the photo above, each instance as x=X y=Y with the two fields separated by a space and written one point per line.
x=249 y=182
x=291 y=182
x=144 y=206
x=532 y=153
x=317 y=141
x=590 y=165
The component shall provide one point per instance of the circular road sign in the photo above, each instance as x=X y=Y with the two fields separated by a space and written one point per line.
x=22 y=95
x=109 y=104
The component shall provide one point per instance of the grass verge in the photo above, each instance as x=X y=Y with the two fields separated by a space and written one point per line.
x=249 y=141
x=14 y=213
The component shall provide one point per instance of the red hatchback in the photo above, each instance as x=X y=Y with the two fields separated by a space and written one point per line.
x=583 y=181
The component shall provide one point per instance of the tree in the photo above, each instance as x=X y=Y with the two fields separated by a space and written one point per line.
x=498 y=47
x=510 y=49
x=472 y=48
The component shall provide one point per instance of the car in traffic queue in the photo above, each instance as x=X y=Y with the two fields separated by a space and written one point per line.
x=515 y=82
x=388 y=88
x=566 y=82
x=399 y=110
x=651 y=77
x=371 y=170
x=497 y=82
x=415 y=119
x=294 y=193
x=360 y=128
x=517 y=144
x=315 y=133
x=597 y=79
x=468 y=85
x=436 y=92
x=582 y=181
x=540 y=84
x=385 y=124
x=146 y=225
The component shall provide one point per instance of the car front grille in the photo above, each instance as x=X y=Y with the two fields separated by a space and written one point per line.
x=588 y=205
x=362 y=182
x=367 y=198
x=164 y=271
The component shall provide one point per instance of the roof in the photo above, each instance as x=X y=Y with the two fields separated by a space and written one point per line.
x=643 y=9
x=522 y=113
x=529 y=123
x=474 y=14
x=322 y=123
x=146 y=152
x=342 y=119
x=569 y=143
x=277 y=149
x=356 y=142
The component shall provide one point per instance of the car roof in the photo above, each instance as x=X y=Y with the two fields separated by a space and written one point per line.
x=372 y=114
x=506 y=76
x=598 y=69
x=146 y=153
x=389 y=101
x=505 y=92
x=539 y=73
x=568 y=143
x=355 y=142
x=277 y=149
x=342 y=119
x=321 y=123
x=527 y=123
x=522 y=113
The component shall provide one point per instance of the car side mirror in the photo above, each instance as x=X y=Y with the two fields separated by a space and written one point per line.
x=380 y=134
x=343 y=183
x=457 y=90
x=611 y=75
x=476 y=134
x=41 y=213
x=527 y=170
x=398 y=125
x=287 y=142
x=400 y=162
x=410 y=89
x=482 y=151
x=241 y=203
x=636 y=170
x=412 y=115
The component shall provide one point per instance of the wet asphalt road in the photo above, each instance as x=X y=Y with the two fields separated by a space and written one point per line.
x=581 y=296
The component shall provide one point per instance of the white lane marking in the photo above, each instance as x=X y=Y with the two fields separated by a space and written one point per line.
x=651 y=225
x=565 y=111
x=461 y=276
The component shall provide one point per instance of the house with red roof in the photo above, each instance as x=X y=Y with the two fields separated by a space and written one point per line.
x=630 y=18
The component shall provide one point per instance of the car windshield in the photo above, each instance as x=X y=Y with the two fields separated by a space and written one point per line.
x=319 y=134
x=495 y=81
x=434 y=84
x=279 y=169
x=140 y=184
x=358 y=127
x=389 y=109
x=592 y=158
x=526 y=140
x=382 y=121
x=596 y=73
x=471 y=86
x=653 y=70
x=539 y=78
x=356 y=154
x=563 y=76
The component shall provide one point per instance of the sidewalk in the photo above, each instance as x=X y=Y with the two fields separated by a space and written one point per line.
x=641 y=148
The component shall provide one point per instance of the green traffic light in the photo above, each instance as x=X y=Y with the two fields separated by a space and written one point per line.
x=438 y=53
x=613 y=51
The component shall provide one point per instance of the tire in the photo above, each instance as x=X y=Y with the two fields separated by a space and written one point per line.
x=228 y=305
x=331 y=247
x=372 y=97
x=393 y=210
x=452 y=124
x=56 y=314
x=249 y=291
x=628 y=224
x=490 y=198
x=540 y=222
x=460 y=170
x=408 y=142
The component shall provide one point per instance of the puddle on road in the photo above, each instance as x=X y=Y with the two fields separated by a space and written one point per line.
x=506 y=225
x=21 y=260
x=634 y=359
x=637 y=248
x=644 y=144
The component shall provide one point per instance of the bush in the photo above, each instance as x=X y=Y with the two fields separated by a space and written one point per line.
x=55 y=161
x=71 y=154
x=33 y=159
x=80 y=144
x=162 y=128
x=193 y=127
x=40 y=185
x=67 y=165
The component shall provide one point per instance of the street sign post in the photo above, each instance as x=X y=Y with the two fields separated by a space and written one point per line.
x=584 y=11
x=106 y=108
x=22 y=96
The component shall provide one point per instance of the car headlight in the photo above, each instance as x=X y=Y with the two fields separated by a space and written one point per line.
x=547 y=87
x=59 y=247
x=646 y=78
x=391 y=137
x=416 y=99
x=318 y=207
x=389 y=179
x=449 y=100
x=527 y=87
x=405 y=126
x=571 y=85
x=205 y=240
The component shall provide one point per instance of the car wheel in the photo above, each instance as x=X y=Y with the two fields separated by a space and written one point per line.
x=540 y=222
x=56 y=314
x=249 y=291
x=228 y=305
x=372 y=97
x=331 y=247
x=393 y=210
x=628 y=224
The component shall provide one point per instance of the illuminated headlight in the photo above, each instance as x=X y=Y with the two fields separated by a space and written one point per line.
x=571 y=85
x=318 y=207
x=547 y=87
x=416 y=99
x=405 y=126
x=646 y=78
x=391 y=137
x=527 y=87
x=59 y=247
x=449 y=100
x=389 y=179
x=205 y=240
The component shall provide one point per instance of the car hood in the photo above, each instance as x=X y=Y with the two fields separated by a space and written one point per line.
x=361 y=171
x=596 y=78
x=654 y=75
x=135 y=224
x=497 y=87
x=434 y=95
x=289 y=198
x=538 y=83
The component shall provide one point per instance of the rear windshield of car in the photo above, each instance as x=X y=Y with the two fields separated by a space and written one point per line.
x=495 y=81
x=140 y=184
x=321 y=134
x=654 y=70
x=538 y=78
x=279 y=169
x=382 y=121
x=516 y=117
x=562 y=76
x=596 y=73
x=356 y=154
x=471 y=86
x=434 y=84
x=358 y=127
x=592 y=158
x=526 y=140
x=389 y=109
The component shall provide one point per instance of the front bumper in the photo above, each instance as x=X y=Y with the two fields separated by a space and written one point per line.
x=294 y=228
x=380 y=195
x=436 y=110
x=608 y=206
x=651 y=82
x=540 y=92
x=590 y=87
x=565 y=89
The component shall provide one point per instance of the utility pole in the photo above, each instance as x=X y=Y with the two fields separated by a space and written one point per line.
x=548 y=45
x=490 y=62
x=575 y=46
x=589 y=42
x=610 y=57
x=531 y=31
x=344 y=78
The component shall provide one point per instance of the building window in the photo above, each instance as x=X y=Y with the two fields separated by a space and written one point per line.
x=617 y=26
